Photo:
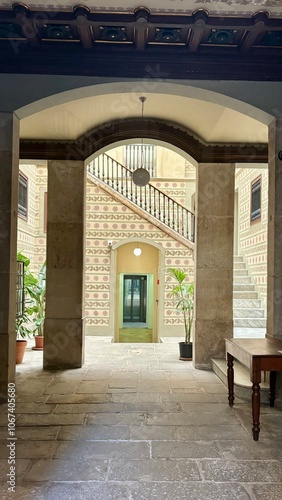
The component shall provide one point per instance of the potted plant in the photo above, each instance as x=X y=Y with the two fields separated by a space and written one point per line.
x=23 y=330
x=183 y=293
x=37 y=309
x=34 y=311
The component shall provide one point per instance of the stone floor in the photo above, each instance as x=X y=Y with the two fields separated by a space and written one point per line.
x=135 y=423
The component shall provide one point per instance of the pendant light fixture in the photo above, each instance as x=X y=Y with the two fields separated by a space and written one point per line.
x=141 y=176
x=137 y=251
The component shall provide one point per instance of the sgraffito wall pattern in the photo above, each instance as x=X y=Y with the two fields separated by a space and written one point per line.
x=27 y=226
x=253 y=236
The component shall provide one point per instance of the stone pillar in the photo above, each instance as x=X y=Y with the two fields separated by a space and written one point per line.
x=274 y=251
x=213 y=262
x=64 y=319
x=9 y=181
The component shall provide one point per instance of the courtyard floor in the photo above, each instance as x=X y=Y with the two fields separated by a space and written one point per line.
x=135 y=423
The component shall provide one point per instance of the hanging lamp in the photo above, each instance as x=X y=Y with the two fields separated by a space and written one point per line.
x=141 y=176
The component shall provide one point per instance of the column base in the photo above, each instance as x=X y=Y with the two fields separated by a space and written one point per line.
x=63 y=344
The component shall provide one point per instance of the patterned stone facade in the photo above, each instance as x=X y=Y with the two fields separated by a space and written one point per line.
x=253 y=236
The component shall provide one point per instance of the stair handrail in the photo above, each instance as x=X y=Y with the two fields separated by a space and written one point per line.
x=151 y=199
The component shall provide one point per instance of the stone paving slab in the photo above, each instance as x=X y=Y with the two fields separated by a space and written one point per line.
x=89 y=408
x=157 y=469
x=29 y=449
x=182 y=449
x=71 y=491
x=187 y=491
x=146 y=397
x=267 y=491
x=68 y=470
x=96 y=387
x=33 y=433
x=242 y=470
x=94 y=432
x=21 y=464
x=78 y=398
x=34 y=408
x=214 y=432
x=182 y=418
x=189 y=397
x=52 y=419
x=58 y=387
x=252 y=450
x=102 y=449
x=205 y=407
x=151 y=407
x=117 y=419
x=153 y=432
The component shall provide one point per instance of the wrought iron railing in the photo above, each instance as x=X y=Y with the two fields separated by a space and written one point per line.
x=149 y=198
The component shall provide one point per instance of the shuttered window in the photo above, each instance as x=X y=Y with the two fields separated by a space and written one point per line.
x=22 y=204
x=256 y=200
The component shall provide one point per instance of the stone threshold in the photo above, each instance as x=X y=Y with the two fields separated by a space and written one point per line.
x=242 y=383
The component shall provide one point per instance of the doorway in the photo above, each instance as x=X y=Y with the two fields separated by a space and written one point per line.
x=135 y=300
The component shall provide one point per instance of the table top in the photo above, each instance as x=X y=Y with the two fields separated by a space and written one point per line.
x=256 y=347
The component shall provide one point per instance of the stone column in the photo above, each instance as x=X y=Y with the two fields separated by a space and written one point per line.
x=64 y=319
x=9 y=181
x=274 y=251
x=213 y=262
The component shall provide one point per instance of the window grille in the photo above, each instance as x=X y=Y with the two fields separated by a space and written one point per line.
x=22 y=204
x=133 y=157
x=256 y=200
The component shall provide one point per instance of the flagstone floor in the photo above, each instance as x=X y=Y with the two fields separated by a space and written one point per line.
x=135 y=423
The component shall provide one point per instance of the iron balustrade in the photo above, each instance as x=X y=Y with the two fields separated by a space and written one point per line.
x=151 y=199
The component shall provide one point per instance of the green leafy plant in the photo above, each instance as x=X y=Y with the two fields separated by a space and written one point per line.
x=37 y=294
x=34 y=292
x=183 y=293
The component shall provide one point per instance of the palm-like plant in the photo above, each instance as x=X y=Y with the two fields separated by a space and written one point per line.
x=183 y=293
x=34 y=292
x=37 y=294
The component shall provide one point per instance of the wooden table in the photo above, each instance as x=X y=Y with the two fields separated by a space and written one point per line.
x=258 y=355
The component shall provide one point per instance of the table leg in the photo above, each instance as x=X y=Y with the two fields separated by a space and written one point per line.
x=272 y=388
x=230 y=378
x=256 y=410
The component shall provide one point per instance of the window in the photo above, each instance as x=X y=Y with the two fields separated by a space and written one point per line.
x=256 y=200
x=22 y=204
x=133 y=157
x=45 y=213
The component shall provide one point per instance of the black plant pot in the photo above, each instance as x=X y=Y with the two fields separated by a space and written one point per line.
x=185 y=351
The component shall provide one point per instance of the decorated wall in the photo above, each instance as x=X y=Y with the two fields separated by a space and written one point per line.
x=252 y=236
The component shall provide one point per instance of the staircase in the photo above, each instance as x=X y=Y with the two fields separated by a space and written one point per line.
x=156 y=205
x=248 y=311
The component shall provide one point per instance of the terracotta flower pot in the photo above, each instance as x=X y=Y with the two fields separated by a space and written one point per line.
x=38 y=342
x=20 y=350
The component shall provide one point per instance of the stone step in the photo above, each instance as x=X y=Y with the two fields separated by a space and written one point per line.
x=239 y=265
x=241 y=294
x=242 y=279
x=240 y=272
x=245 y=287
x=237 y=258
x=242 y=383
x=248 y=303
x=249 y=322
x=246 y=312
